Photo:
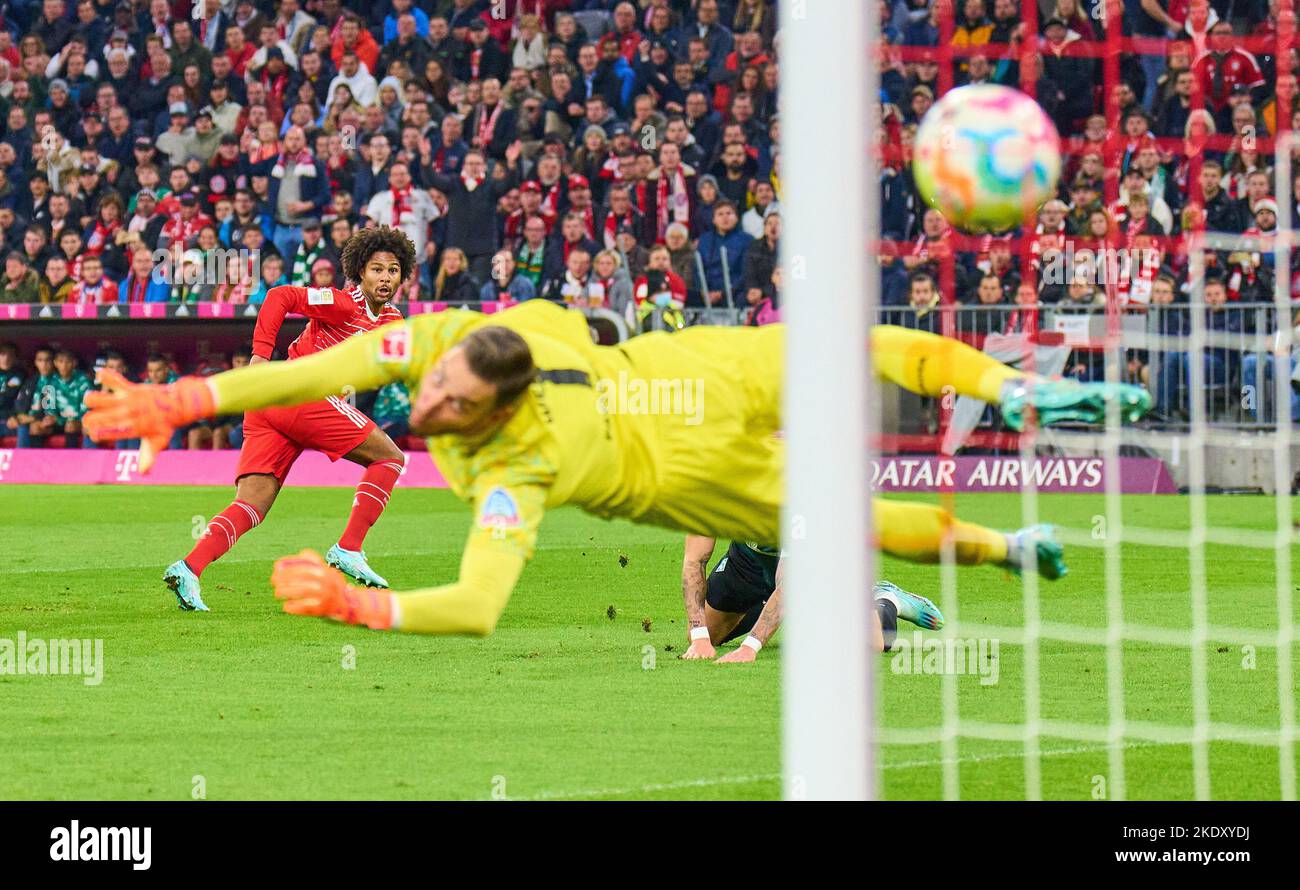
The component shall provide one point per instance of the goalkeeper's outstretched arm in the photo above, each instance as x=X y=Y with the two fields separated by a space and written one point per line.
x=507 y=515
x=471 y=605
x=358 y=364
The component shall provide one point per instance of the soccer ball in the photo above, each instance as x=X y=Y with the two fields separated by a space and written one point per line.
x=986 y=155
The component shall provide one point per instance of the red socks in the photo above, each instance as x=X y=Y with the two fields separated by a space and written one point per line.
x=372 y=496
x=221 y=534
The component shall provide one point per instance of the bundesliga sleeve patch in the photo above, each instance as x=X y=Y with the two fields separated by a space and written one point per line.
x=320 y=296
x=499 y=510
x=396 y=346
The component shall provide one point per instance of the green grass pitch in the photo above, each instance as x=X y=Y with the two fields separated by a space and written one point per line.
x=570 y=698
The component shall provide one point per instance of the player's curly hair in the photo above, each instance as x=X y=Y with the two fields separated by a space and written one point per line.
x=368 y=242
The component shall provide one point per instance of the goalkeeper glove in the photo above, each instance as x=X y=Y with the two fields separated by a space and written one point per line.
x=310 y=587
x=151 y=413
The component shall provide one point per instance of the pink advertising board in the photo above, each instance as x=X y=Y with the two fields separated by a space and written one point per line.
x=910 y=473
x=91 y=467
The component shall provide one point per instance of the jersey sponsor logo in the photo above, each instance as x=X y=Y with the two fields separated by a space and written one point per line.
x=396 y=346
x=320 y=296
x=499 y=510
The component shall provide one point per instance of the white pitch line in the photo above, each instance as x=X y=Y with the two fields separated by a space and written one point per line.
x=1011 y=755
x=647 y=789
x=770 y=777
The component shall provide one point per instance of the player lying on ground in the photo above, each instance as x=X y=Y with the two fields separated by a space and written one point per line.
x=743 y=596
x=379 y=260
x=523 y=413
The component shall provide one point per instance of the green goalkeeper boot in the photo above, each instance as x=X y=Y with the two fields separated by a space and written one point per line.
x=1037 y=543
x=1063 y=401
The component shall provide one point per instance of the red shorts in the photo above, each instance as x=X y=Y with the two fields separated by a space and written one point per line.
x=274 y=437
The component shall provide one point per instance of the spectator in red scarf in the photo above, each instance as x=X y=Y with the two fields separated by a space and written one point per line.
x=579 y=202
x=530 y=206
x=472 y=197
x=670 y=193
x=549 y=177
x=621 y=213
x=748 y=52
x=274 y=77
x=94 y=288
x=486 y=58
x=491 y=126
x=572 y=236
x=666 y=281
x=184 y=227
x=402 y=206
x=108 y=220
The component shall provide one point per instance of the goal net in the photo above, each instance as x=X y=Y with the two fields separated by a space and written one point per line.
x=1163 y=665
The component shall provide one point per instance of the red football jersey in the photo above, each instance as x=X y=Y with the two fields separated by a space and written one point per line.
x=335 y=315
x=1236 y=68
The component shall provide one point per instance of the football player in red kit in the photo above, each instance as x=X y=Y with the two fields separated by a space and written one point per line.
x=378 y=260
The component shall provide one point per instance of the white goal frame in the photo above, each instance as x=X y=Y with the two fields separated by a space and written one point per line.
x=830 y=207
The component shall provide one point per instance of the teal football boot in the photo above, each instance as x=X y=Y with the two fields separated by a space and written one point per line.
x=353 y=564
x=911 y=607
x=185 y=584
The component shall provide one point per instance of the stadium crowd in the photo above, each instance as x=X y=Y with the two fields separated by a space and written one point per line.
x=573 y=136
x=613 y=153
x=596 y=153
x=1177 y=143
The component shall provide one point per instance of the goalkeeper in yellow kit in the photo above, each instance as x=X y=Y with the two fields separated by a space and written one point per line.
x=522 y=412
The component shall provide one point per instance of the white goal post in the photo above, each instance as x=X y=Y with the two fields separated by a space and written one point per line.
x=830 y=207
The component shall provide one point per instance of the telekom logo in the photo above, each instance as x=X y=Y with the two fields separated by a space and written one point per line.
x=127 y=463
x=5 y=457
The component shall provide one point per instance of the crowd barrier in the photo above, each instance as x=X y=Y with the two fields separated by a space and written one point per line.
x=1152 y=348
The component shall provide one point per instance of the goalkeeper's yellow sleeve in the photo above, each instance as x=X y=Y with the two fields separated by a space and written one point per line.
x=470 y=606
x=925 y=363
x=916 y=532
x=507 y=515
x=358 y=364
